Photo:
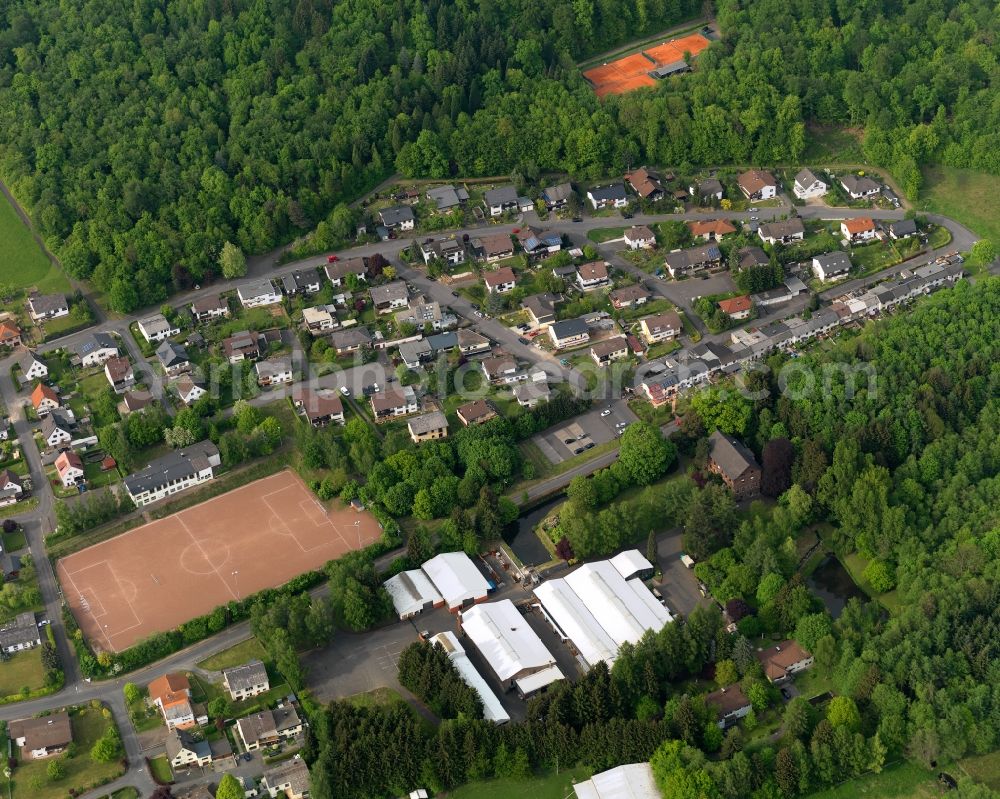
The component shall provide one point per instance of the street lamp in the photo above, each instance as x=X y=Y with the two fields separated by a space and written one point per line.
x=357 y=527
x=236 y=574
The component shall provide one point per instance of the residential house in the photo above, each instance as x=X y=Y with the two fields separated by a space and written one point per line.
x=710 y=229
x=451 y=251
x=11 y=487
x=118 y=371
x=499 y=201
x=274 y=371
x=398 y=217
x=693 y=259
x=661 y=327
x=752 y=256
x=174 y=472
x=214 y=306
x=301 y=281
x=531 y=392
x=640 y=237
x=268 y=727
x=541 y=309
x=44 y=399
x=245 y=681
x=734 y=463
x=415 y=353
x=807 y=185
x=429 y=427
x=421 y=312
x=32 y=367
x=592 y=276
x=320 y=407
x=20 y=634
x=257 y=294
x=69 y=467
x=351 y=339
x=729 y=704
x=859 y=186
x=493 y=247
x=338 y=271
x=171 y=693
x=645 y=184
x=390 y=296
x=539 y=243
x=183 y=749
x=858 y=230
x=611 y=196
x=756 y=184
x=173 y=358
x=831 y=266
x=610 y=349
x=502 y=369
x=557 y=196
x=783 y=231
x=566 y=272
x=902 y=229
x=57 y=427
x=189 y=390
x=10 y=335
x=501 y=281
x=134 y=401
x=42 y=307
x=95 y=348
x=630 y=297
x=393 y=401
x=288 y=777
x=157 y=328
x=447 y=197
x=783 y=661
x=708 y=191
x=319 y=320
x=476 y=412
x=243 y=346
x=43 y=736
x=569 y=333
x=736 y=307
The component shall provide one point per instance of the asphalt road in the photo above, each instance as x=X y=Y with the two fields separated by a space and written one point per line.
x=41 y=519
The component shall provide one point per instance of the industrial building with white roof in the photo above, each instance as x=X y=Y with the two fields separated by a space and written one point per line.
x=598 y=609
x=514 y=651
x=451 y=579
x=631 y=781
x=493 y=710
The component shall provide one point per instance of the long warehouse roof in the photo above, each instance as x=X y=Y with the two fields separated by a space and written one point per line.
x=505 y=639
x=492 y=709
x=456 y=577
x=569 y=613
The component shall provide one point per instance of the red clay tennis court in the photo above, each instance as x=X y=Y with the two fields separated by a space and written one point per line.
x=632 y=72
x=165 y=573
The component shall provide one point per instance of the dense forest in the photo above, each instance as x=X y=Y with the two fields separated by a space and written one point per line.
x=904 y=469
x=142 y=136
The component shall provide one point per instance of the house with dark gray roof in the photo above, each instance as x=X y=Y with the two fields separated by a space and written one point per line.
x=807 y=185
x=173 y=472
x=557 y=196
x=247 y=680
x=351 y=339
x=752 y=256
x=173 y=358
x=693 y=259
x=902 y=229
x=258 y=293
x=301 y=281
x=612 y=195
x=569 y=333
x=831 y=266
x=782 y=231
x=390 y=296
x=541 y=308
x=22 y=633
x=447 y=197
x=32 y=367
x=706 y=191
x=501 y=200
x=400 y=216
x=859 y=186
x=95 y=348
x=734 y=463
x=183 y=749
x=47 y=306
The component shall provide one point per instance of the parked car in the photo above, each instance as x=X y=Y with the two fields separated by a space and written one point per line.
x=454 y=294
x=345 y=391
x=606 y=412
x=522 y=340
x=330 y=259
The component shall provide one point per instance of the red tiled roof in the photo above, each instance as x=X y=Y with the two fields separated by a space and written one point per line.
x=66 y=460
x=41 y=392
x=858 y=225
x=720 y=227
x=501 y=276
x=735 y=305
x=8 y=331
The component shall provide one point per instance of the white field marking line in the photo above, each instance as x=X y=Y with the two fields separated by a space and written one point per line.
x=281 y=521
x=131 y=607
x=214 y=567
x=100 y=629
x=95 y=599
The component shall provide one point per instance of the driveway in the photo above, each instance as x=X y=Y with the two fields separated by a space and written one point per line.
x=591 y=427
x=678 y=586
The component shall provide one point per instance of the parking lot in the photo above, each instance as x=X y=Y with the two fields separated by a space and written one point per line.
x=595 y=427
x=679 y=586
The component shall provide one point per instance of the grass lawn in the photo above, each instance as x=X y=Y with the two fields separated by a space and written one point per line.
x=243 y=652
x=30 y=778
x=124 y=793
x=939 y=237
x=964 y=195
x=553 y=786
x=645 y=411
x=22 y=262
x=903 y=780
x=20 y=507
x=160 y=768
x=545 y=469
x=12 y=542
x=662 y=348
x=832 y=145
x=23 y=670
x=984 y=769
x=855 y=564
x=812 y=683
x=380 y=697
x=602 y=234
